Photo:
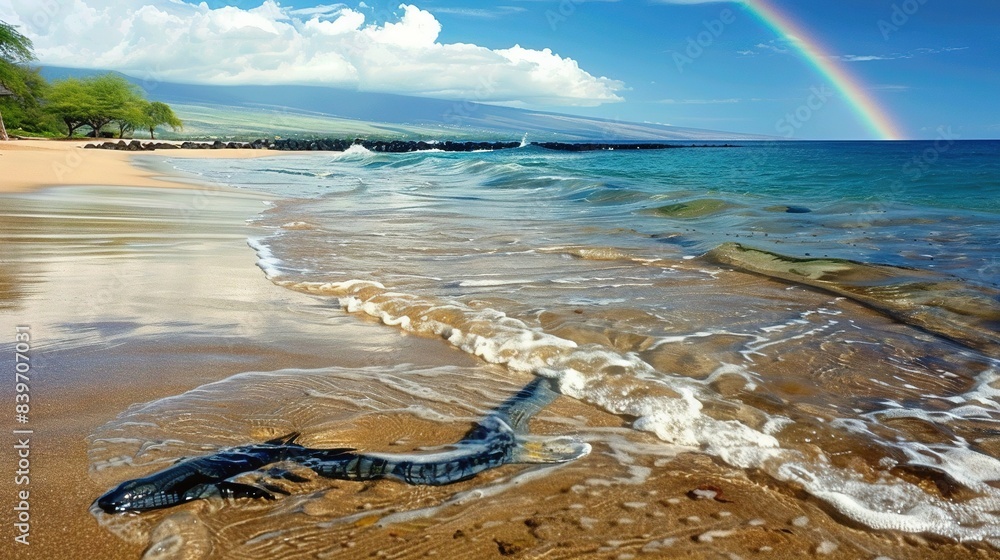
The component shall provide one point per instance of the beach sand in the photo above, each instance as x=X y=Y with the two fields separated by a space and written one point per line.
x=31 y=164
x=135 y=294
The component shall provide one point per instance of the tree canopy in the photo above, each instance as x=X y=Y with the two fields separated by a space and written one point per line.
x=101 y=100
x=68 y=101
x=73 y=103
x=160 y=114
x=15 y=50
x=14 y=47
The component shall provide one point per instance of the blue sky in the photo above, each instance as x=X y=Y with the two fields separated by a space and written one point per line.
x=940 y=68
x=932 y=65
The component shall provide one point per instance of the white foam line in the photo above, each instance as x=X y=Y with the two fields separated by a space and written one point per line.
x=265 y=258
x=684 y=337
x=593 y=374
x=498 y=282
x=757 y=349
x=503 y=340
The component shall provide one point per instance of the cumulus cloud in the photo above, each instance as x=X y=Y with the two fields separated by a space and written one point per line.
x=331 y=45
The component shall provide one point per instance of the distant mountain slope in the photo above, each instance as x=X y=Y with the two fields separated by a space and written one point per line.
x=243 y=111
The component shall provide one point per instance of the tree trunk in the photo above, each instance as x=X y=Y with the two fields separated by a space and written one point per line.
x=97 y=125
x=70 y=127
x=151 y=134
x=3 y=130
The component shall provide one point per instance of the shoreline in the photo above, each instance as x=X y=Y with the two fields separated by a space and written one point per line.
x=173 y=305
x=170 y=304
x=390 y=146
x=30 y=165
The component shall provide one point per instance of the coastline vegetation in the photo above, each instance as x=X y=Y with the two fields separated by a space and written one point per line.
x=101 y=106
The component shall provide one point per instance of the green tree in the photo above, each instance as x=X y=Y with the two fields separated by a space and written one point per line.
x=111 y=98
x=14 y=47
x=160 y=114
x=25 y=112
x=15 y=50
x=131 y=117
x=96 y=102
x=68 y=100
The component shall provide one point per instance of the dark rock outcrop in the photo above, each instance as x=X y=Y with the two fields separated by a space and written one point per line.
x=379 y=146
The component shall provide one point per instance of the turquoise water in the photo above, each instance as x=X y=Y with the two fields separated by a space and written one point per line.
x=827 y=313
x=922 y=204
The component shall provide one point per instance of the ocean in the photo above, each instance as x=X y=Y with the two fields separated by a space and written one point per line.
x=824 y=313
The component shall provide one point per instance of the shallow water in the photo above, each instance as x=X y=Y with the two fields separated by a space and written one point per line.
x=847 y=345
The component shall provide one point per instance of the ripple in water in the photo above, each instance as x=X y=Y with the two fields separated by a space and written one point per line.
x=587 y=269
x=390 y=410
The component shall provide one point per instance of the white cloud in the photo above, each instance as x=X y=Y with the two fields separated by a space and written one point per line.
x=864 y=57
x=327 y=45
x=781 y=45
x=891 y=87
x=895 y=56
x=319 y=10
x=789 y=44
x=482 y=13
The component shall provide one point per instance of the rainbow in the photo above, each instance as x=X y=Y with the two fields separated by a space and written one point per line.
x=874 y=117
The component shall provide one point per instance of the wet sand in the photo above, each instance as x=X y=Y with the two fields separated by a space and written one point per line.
x=138 y=294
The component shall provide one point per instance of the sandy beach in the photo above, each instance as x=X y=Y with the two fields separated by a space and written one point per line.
x=136 y=288
x=32 y=164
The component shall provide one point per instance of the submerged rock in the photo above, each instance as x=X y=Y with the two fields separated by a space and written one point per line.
x=789 y=209
x=938 y=303
x=693 y=208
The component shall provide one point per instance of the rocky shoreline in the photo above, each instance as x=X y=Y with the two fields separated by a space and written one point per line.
x=383 y=146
